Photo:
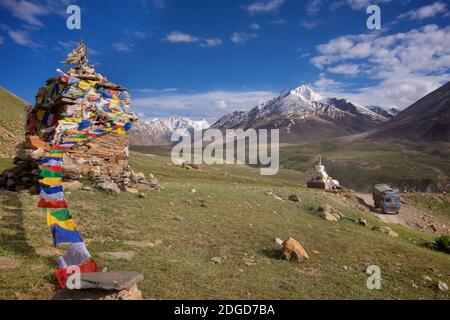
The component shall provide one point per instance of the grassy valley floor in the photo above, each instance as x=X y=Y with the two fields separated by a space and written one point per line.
x=172 y=235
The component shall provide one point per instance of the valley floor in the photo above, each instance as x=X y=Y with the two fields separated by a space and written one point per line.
x=171 y=236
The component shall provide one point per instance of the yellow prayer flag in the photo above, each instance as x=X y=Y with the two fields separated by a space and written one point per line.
x=84 y=85
x=121 y=131
x=51 y=181
x=68 y=224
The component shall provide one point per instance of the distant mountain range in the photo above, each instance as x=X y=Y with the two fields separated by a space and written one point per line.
x=303 y=115
x=159 y=132
x=388 y=113
x=426 y=120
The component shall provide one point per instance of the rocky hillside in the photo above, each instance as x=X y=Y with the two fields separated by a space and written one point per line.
x=159 y=132
x=304 y=115
x=426 y=120
x=12 y=117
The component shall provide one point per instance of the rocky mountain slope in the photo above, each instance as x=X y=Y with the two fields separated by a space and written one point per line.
x=304 y=115
x=12 y=117
x=159 y=132
x=426 y=120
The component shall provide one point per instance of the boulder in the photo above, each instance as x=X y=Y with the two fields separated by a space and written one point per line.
x=442 y=286
x=293 y=247
x=34 y=142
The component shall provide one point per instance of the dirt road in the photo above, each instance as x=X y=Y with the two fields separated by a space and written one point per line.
x=409 y=216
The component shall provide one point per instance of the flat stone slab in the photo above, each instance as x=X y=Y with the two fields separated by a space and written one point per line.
x=111 y=281
x=132 y=293
x=119 y=255
x=9 y=263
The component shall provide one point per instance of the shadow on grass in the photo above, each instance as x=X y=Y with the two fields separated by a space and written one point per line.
x=15 y=239
x=272 y=254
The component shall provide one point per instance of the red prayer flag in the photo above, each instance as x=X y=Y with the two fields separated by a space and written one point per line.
x=52 y=168
x=52 y=204
x=62 y=274
x=56 y=147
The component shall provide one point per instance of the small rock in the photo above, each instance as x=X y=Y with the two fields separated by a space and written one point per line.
x=193 y=191
x=216 y=260
x=49 y=252
x=131 y=190
x=294 y=198
x=9 y=263
x=362 y=222
x=142 y=244
x=142 y=195
x=287 y=286
x=179 y=218
x=427 y=278
x=442 y=286
x=86 y=188
x=278 y=241
x=293 y=247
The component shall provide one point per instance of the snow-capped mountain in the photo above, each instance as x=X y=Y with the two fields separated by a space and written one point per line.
x=302 y=114
x=385 y=112
x=159 y=131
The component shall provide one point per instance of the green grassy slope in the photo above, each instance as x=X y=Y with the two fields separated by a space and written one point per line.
x=238 y=225
x=12 y=117
x=362 y=164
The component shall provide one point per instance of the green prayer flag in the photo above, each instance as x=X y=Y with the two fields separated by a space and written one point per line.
x=47 y=173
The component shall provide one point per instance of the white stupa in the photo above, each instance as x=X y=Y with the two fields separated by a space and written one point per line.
x=320 y=179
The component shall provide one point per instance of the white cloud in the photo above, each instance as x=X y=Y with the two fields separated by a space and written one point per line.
x=181 y=37
x=399 y=91
x=326 y=84
x=243 y=37
x=211 y=42
x=123 y=47
x=32 y=12
x=313 y=7
x=210 y=105
x=349 y=69
x=309 y=24
x=405 y=66
x=20 y=37
x=425 y=12
x=255 y=26
x=359 y=4
x=264 y=6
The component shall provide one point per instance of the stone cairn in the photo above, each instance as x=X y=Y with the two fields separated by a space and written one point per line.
x=68 y=100
x=77 y=127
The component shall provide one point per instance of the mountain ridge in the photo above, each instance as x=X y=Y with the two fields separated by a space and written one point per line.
x=159 y=131
x=302 y=114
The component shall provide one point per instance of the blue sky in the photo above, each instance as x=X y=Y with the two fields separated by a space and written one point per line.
x=204 y=58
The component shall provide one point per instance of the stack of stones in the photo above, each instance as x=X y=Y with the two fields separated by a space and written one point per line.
x=76 y=99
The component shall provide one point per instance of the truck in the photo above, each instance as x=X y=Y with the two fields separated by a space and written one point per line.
x=386 y=199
